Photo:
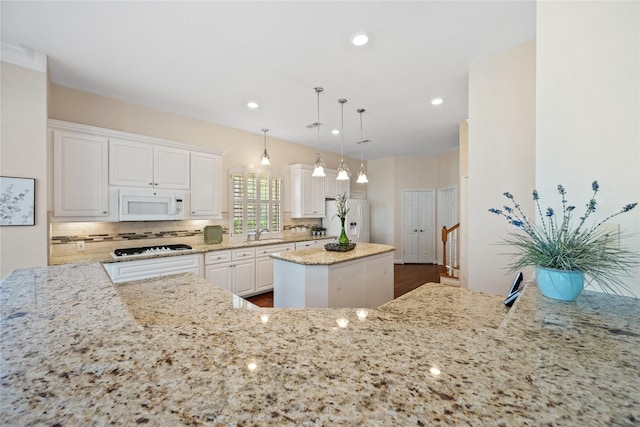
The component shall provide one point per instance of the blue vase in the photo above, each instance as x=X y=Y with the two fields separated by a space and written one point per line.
x=563 y=285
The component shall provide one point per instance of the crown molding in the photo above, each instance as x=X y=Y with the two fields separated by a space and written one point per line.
x=23 y=56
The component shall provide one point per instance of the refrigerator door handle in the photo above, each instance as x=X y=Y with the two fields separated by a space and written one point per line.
x=359 y=224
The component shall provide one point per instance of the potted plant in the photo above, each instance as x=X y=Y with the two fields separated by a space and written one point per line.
x=564 y=253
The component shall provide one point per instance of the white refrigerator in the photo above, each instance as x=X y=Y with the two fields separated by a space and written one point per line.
x=356 y=224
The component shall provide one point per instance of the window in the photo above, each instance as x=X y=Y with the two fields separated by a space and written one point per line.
x=256 y=201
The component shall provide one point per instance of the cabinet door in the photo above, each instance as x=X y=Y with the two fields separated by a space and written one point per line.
x=264 y=274
x=171 y=168
x=219 y=275
x=307 y=193
x=244 y=277
x=205 y=185
x=80 y=175
x=131 y=163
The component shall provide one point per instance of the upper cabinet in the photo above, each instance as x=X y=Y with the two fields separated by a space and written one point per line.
x=90 y=164
x=307 y=193
x=139 y=164
x=80 y=175
x=333 y=187
x=205 y=185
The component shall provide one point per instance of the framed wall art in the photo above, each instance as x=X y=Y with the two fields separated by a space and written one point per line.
x=17 y=201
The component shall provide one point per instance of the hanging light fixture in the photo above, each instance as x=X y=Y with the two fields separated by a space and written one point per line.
x=343 y=169
x=318 y=166
x=264 y=159
x=362 y=174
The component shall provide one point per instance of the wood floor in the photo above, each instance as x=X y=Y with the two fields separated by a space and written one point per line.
x=407 y=277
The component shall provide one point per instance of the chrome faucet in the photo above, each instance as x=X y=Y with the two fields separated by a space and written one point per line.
x=259 y=231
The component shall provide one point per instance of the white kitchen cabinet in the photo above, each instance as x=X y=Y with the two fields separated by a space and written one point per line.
x=264 y=265
x=80 y=176
x=333 y=187
x=307 y=193
x=233 y=270
x=307 y=244
x=140 y=164
x=127 y=271
x=205 y=185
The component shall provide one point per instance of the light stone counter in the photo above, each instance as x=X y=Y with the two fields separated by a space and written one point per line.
x=77 y=350
x=198 y=247
x=321 y=256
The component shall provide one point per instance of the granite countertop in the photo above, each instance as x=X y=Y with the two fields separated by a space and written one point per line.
x=78 y=350
x=196 y=249
x=320 y=256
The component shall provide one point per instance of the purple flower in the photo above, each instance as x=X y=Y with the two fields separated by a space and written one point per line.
x=535 y=195
x=570 y=208
x=592 y=205
x=595 y=186
x=508 y=209
x=495 y=211
x=561 y=189
x=628 y=207
x=549 y=212
x=508 y=195
x=517 y=223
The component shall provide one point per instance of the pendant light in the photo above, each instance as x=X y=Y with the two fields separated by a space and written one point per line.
x=318 y=166
x=362 y=174
x=264 y=159
x=343 y=169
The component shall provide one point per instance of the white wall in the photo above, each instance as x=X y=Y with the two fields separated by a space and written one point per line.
x=501 y=157
x=588 y=107
x=23 y=153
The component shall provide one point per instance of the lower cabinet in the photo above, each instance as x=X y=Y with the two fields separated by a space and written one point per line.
x=264 y=265
x=127 y=271
x=244 y=271
x=233 y=270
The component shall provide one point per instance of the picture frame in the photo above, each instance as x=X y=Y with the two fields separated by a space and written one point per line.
x=17 y=201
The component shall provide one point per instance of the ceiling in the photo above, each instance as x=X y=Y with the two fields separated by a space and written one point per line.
x=206 y=60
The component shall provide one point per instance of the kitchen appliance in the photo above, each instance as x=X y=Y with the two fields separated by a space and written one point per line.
x=150 y=205
x=149 y=250
x=357 y=223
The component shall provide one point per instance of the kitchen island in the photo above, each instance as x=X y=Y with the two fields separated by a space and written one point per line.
x=78 y=350
x=361 y=277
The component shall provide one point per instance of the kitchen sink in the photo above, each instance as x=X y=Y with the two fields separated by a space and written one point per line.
x=262 y=242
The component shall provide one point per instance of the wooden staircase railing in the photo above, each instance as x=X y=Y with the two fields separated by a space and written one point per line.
x=445 y=237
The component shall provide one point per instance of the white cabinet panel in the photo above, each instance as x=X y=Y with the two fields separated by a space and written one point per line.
x=127 y=271
x=264 y=265
x=333 y=187
x=139 y=164
x=205 y=185
x=307 y=193
x=347 y=284
x=80 y=176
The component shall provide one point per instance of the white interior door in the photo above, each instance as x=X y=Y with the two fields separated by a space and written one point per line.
x=419 y=226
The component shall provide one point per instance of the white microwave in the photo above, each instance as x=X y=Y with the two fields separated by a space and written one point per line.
x=150 y=205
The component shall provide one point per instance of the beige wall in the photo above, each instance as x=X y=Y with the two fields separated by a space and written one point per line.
x=23 y=153
x=241 y=148
x=588 y=108
x=392 y=175
x=501 y=158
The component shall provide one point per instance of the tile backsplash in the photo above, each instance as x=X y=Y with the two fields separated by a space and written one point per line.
x=102 y=237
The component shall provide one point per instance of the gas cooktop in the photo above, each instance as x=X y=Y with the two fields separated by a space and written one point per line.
x=150 y=250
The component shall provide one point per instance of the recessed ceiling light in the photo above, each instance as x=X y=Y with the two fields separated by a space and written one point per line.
x=359 y=39
x=437 y=101
x=253 y=105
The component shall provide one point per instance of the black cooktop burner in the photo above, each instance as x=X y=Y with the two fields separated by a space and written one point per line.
x=151 y=250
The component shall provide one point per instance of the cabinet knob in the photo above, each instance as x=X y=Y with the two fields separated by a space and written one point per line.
x=155 y=183
x=193 y=212
x=104 y=212
x=151 y=183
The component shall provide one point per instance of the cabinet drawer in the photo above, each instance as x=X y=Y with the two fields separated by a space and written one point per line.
x=240 y=254
x=127 y=271
x=217 y=257
x=272 y=249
